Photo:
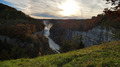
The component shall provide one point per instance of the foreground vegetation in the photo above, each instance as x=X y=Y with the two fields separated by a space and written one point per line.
x=106 y=54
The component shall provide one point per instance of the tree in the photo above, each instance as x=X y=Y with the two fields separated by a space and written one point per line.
x=115 y=7
x=112 y=17
x=115 y=3
x=74 y=44
x=4 y=55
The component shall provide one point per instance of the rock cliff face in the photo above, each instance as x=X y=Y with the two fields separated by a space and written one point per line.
x=91 y=37
x=94 y=36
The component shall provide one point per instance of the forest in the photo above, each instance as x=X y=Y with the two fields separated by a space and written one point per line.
x=16 y=35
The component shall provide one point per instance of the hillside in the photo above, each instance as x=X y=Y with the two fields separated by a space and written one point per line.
x=7 y=12
x=106 y=54
x=16 y=35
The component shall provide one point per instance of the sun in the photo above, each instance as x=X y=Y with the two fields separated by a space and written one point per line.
x=68 y=8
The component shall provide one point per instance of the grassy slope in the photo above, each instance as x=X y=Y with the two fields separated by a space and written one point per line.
x=107 y=54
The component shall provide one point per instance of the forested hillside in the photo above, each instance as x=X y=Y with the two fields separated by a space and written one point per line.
x=16 y=35
x=7 y=12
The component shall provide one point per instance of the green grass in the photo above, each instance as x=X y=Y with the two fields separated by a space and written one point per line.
x=104 y=55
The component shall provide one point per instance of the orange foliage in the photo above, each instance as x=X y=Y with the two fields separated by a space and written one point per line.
x=89 y=61
x=36 y=37
x=33 y=28
x=82 y=25
x=21 y=31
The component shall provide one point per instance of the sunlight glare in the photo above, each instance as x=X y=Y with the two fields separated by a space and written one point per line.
x=68 y=8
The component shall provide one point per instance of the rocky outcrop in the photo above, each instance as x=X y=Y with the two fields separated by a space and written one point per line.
x=90 y=37
x=94 y=36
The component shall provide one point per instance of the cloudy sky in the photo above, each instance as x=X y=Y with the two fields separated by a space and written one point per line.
x=58 y=9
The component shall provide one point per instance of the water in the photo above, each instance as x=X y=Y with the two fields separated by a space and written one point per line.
x=52 y=44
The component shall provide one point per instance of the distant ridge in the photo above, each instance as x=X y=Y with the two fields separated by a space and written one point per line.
x=7 y=12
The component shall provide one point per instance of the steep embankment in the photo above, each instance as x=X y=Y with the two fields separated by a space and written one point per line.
x=107 y=54
x=16 y=35
x=93 y=36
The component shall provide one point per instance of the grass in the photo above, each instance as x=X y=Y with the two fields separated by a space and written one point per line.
x=104 y=55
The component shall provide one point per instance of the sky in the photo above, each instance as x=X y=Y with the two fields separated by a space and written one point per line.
x=58 y=9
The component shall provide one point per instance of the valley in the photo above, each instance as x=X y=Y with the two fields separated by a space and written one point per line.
x=60 y=36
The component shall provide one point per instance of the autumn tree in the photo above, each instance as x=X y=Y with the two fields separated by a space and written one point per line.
x=115 y=3
x=114 y=10
x=112 y=18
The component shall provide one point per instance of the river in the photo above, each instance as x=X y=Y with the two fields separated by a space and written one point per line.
x=52 y=44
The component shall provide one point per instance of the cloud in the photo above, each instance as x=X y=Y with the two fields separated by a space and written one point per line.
x=45 y=15
x=50 y=8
